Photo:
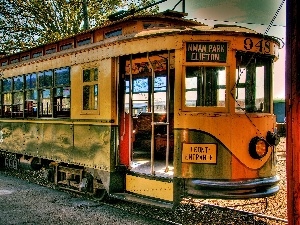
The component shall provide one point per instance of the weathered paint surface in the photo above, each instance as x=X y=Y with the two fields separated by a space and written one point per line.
x=87 y=145
x=149 y=187
x=227 y=166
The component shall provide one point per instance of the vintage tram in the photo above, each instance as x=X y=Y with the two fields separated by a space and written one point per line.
x=148 y=108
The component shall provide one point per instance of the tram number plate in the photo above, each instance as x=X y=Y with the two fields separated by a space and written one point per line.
x=199 y=153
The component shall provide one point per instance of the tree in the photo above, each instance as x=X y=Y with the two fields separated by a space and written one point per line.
x=28 y=23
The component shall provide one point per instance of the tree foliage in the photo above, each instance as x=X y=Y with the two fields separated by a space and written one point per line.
x=28 y=23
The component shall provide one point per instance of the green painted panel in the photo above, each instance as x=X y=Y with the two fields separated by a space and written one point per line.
x=87 y=145
x=92 y=145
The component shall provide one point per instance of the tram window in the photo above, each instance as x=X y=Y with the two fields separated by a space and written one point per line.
x=7 y=102
x=30 y=81
x=25 y=57
x=84 y=41
x=45 y=93
x=253 y=84
x=62 y=92
x=90 y=89
x=45 y=103
x=45 y=78
x=205 y=86
x=66 y=46
x=31 y=95
x=62 y=101
x=14 y=60
x=62 y=76
x=5 y=63
x=50 y=50
x=18 y=83
x=31 y=103
x=7 y=83
x=7 y=97
x=140 y=85
x=160 y=83
x=142 y=69
x=113 y=33
x=37 y=54
x=18 y=97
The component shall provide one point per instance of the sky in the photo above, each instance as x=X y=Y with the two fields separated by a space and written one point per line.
x=254 y=14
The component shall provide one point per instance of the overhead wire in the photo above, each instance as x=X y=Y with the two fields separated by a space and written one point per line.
x=235 y=85
x=236 y=22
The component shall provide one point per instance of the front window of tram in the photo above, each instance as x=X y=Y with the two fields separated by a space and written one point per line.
x=253 y=83
x=205 y=86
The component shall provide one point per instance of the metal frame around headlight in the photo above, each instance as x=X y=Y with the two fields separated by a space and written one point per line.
x=258 y=147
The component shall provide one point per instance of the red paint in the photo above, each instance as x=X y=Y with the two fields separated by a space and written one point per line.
x=124 y=139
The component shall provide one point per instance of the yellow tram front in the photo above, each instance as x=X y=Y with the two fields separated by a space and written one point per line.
x=204 y=110
x=226 y=132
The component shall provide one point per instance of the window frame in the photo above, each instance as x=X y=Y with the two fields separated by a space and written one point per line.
x=90 y=84
x=9 y=93
x=267 y=104
x=31 y=86
x=18 y=91
x=55 y=97
x=206 y=109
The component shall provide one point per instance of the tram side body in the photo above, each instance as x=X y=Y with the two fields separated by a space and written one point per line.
x=90 y=142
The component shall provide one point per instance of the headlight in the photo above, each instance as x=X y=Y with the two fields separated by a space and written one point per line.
x=258 y=148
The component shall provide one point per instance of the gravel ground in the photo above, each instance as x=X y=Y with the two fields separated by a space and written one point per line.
x=275 y=206
x=25 y=203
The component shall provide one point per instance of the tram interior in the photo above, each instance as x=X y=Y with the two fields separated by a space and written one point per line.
x=148 y=101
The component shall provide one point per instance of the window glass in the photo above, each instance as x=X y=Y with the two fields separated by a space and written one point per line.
x=18 y=83
x=160 y=84
x=31 y=103
x=7 y=84
x=90 y=97
x=31 y=95
x=18 y=104
x=62 y=101
x=7 y=103
x=30 y=81
x=62 y=76
x=205 y=86
x=84 y=41
x=90 y=89
x=7 y=97
x=90 y=75
x=45 y=103
x=22 y=97
x=253 y=83
x=45 y=78
x=140 y=85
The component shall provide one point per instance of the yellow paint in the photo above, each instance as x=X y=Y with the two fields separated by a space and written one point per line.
x=151 y=188
x=239 y=171
x=199 y=153
x=234 y=130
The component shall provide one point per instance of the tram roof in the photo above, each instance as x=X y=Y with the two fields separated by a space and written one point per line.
x=178 y=25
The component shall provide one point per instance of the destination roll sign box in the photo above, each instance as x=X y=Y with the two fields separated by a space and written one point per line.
x=206 y=51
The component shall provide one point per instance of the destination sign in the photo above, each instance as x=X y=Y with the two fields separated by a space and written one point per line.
x=206 y=51
x=199 y=153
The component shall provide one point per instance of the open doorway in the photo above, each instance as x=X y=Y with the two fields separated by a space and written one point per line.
x=146 y=112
